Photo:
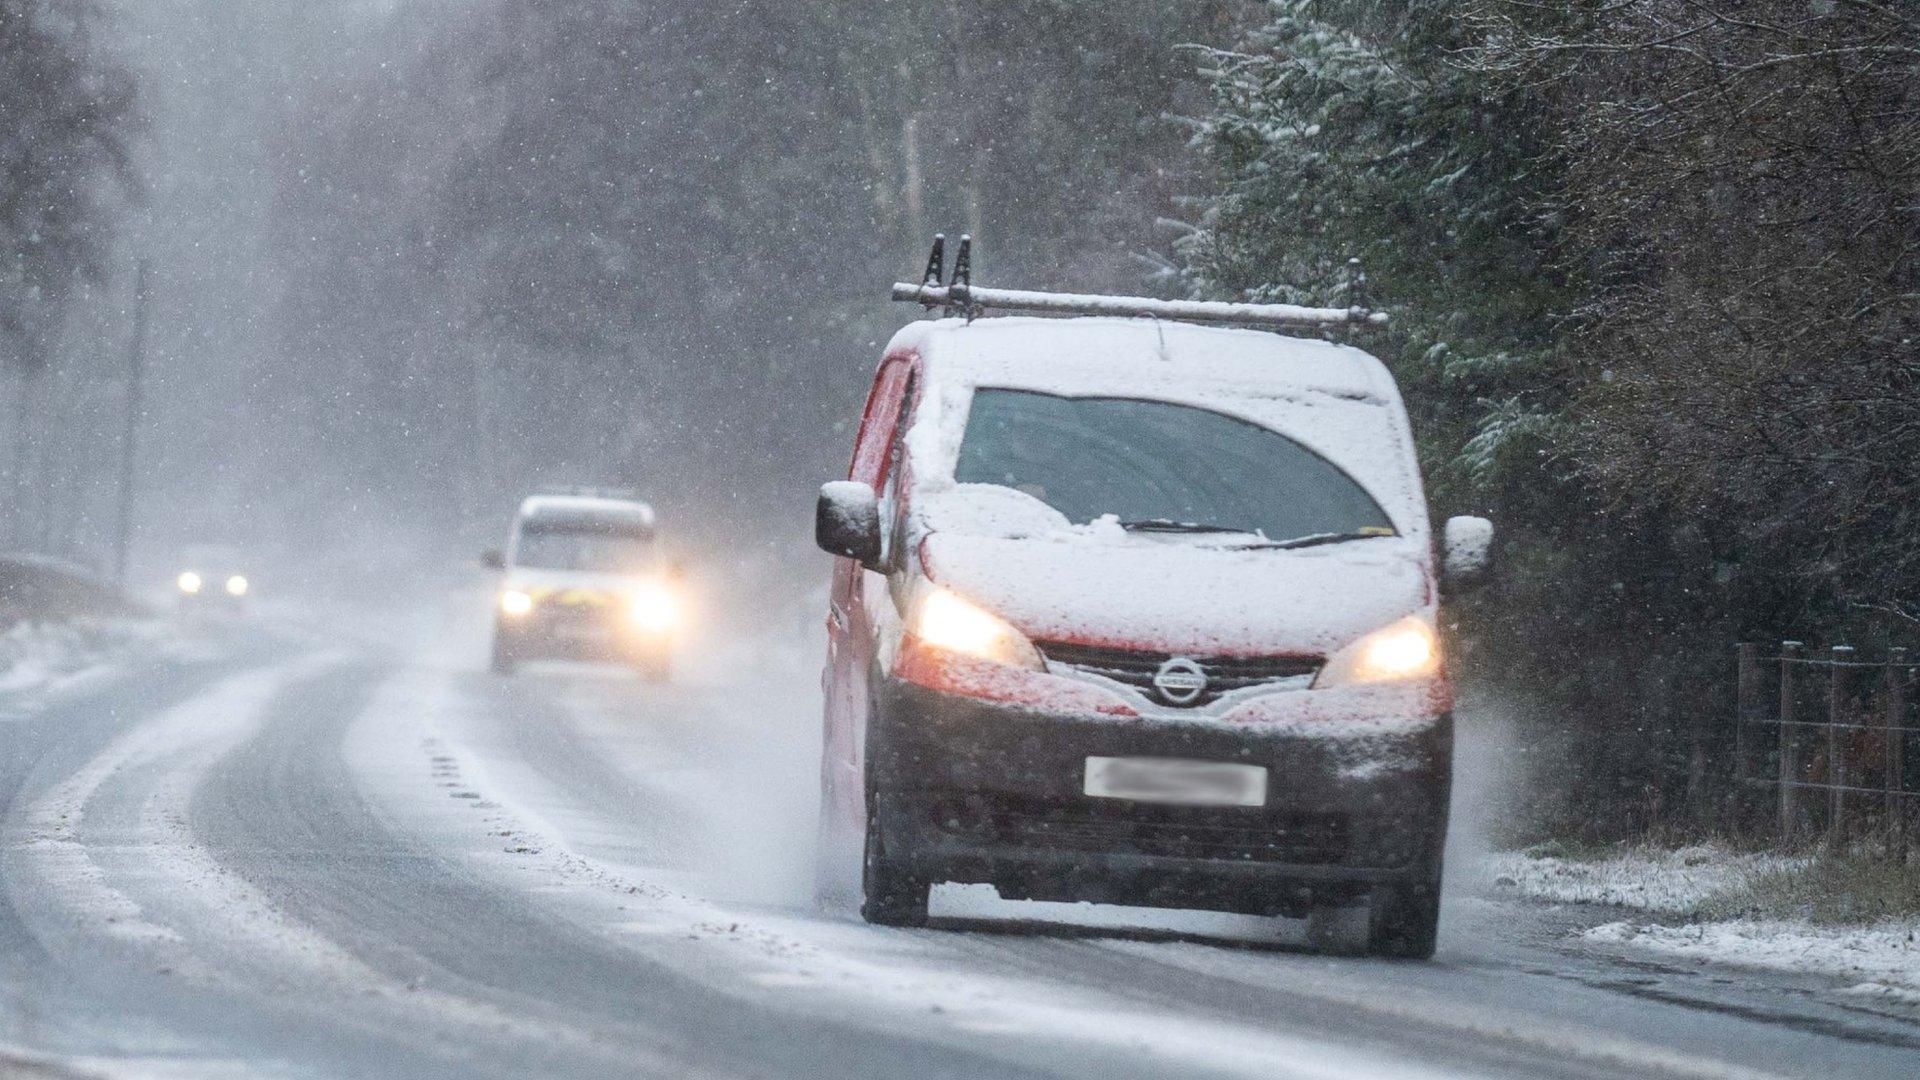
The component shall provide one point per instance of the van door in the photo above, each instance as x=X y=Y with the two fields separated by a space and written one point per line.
x=850 y=631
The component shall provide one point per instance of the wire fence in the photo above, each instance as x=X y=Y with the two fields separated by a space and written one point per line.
x=1831 y=734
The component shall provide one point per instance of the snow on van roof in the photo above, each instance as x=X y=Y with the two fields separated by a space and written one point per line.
x=1335 y=399
x=1099 y=353
x=586 y=506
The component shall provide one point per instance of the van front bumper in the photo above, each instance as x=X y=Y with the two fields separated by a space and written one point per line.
x=589 y=634
x=989 y=792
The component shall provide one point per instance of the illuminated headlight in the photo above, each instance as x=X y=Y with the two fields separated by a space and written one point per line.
x=189 y=582
x=654 y=608
x=946 y=622
x=1408 y=649
x=237 y=585
x=514 y=603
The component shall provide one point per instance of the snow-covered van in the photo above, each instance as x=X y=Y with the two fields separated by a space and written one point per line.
x=1142 y=612
x=583 y=578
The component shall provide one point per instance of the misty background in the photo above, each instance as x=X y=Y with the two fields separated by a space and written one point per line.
x=413 y=260
x=1654 y=311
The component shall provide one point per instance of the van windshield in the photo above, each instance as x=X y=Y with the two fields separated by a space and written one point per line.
x=613 y=548
x=1160 y=466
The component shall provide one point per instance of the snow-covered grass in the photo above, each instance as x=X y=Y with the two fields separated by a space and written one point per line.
x=1663 y=881
x=1851 y=917
x=1882 y=960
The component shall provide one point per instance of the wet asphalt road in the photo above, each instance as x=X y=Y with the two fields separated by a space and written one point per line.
x=289 y=854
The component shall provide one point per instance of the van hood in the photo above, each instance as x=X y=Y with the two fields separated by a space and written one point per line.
x=1184 y=594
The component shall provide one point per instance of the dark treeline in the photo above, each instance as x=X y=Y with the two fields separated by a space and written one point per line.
x=1652 y=266
x=68 y=111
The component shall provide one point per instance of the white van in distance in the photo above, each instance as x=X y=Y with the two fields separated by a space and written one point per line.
x=583 y=579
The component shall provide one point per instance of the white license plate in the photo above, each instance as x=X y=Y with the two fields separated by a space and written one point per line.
x=1171 y=780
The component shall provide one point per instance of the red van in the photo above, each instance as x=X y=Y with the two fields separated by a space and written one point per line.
x=1140 y=612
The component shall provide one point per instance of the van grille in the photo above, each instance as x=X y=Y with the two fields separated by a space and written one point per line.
x=1241 y=835
x=1224 y=673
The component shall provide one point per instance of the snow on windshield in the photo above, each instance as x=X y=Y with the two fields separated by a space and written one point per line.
x=1150 y=463
x=1334 y=401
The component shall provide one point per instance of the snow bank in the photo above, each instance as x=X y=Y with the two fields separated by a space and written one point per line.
x=1885 y=958
x=1662 y=881
x=52 y=655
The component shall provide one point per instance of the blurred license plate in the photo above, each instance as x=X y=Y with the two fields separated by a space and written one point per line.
x=1170 y=780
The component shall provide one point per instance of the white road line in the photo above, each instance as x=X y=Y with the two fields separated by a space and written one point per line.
x=218 y=928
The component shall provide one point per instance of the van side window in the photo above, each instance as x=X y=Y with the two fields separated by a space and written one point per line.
x=876 y=431
x=890 y=516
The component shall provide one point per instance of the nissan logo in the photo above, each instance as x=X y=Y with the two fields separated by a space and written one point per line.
x=1181 y=681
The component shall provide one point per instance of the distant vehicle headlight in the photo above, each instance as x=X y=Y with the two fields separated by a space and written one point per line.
x=189 y=582
x=1408 y=649
x=514 y=603
x=237 y=585
x=653 y=607
x=945 y=621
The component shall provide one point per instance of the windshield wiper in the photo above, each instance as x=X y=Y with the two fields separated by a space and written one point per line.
x=1316 y=539
x=1168 y=525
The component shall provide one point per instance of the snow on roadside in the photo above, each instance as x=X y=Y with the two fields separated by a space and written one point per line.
x=54 y=655
x=1884 y=959
x=1664 y=881
x=1687 y=883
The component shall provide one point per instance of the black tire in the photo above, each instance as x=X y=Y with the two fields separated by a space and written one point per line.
x=890 y=894
x=503 y=661
x=1405 y=921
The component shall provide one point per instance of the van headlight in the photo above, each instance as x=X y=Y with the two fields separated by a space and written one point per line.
x=189 y=582
x=946 y=622
x=514 y=603
x=1405 y=650
x=653 y=608
x=237 y=585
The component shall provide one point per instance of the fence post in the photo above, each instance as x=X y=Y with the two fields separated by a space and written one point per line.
x=1749 y=711
x=1790 y=653
x=1896 y=718
x=1839 y=677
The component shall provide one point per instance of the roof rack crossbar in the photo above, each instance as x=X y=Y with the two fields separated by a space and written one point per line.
x=971 y=300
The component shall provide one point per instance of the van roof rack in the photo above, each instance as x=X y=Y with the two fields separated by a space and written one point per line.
x=959 y=296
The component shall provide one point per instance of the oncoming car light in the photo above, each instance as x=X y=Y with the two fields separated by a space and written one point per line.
x=189 y=582
x=237 y=585
x=653 y=607
x=947 y=622
x=1408 y=649
x=514 y=603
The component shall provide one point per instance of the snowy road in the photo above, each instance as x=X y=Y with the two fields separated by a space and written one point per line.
x=297 y=854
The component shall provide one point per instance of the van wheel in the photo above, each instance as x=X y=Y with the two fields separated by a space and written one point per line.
x=503 y=662
x=891 y=894
x=1404 y=921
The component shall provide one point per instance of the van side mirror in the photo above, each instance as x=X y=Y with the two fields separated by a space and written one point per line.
x=1466 y=548
x=846 y=522
x=493 y=560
